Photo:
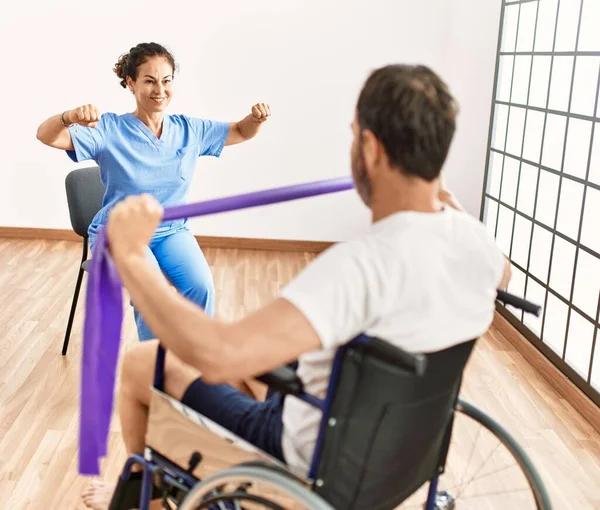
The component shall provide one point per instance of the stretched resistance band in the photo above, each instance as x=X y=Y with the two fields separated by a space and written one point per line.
x=104 y=314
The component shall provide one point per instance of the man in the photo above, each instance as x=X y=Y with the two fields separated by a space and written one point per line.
x=424 y=277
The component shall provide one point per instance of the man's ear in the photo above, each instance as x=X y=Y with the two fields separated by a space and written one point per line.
x=371 y=149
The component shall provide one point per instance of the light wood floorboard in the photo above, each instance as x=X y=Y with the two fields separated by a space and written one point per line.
x=39 y=388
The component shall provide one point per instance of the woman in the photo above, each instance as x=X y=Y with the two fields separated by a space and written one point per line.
x=148 y=151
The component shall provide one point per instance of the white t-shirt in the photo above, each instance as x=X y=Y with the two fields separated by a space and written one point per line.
x=422 y=281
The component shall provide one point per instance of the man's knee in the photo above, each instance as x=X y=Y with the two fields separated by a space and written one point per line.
x=137 y=370
x=178 y=376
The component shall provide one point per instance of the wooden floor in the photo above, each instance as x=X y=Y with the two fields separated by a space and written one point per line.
x=39 y=388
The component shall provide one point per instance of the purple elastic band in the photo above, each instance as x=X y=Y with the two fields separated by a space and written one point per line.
x=104 y=314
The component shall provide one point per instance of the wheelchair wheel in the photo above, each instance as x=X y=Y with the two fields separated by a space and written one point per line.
x=252 y=488
x=485 y=469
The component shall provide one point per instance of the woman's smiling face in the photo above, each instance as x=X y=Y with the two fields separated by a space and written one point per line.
x=153 y=85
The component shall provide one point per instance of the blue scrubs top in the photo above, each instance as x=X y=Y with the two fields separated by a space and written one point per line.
x=133 y=160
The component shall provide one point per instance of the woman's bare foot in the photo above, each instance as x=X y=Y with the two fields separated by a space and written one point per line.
x=98 y=494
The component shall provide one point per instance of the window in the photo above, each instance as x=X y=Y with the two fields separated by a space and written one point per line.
x=541 y=195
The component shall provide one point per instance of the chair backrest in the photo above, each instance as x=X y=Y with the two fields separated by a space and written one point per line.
x=387 y=429
x=85 y=192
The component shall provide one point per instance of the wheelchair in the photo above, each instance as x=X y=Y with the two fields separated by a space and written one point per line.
x=393 y=434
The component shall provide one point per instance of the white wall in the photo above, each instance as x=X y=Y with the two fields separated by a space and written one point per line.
x=307 y=59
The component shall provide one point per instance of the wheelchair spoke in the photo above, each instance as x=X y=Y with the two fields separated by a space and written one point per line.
x=497 y=493
x=464 y=484
x=470 y=456
x=482 y=471
x=252 y=488
x=235 y=498
x=459 y=485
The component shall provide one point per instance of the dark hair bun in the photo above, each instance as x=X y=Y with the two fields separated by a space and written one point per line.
x=120 y=69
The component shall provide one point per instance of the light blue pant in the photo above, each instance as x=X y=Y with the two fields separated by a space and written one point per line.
x=181 y=260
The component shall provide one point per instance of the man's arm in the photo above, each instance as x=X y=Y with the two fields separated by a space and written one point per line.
x=448 y=198
x=506 y=276
x=249 y=126
x=273 y=336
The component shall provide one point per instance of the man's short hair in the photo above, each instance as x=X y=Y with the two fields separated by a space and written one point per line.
x=411 y=111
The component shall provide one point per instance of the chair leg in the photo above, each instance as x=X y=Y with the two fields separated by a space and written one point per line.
x=75 y=298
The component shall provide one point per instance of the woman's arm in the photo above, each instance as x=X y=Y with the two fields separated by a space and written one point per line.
x=249 y=126
x=54 y=132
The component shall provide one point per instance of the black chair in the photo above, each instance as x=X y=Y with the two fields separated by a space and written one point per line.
x=84 y=198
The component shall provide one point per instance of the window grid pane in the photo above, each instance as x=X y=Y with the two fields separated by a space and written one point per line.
x=542 y=183
x=594 y=377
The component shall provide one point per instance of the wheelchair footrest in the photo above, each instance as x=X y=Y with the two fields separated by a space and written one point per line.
x=127 y=493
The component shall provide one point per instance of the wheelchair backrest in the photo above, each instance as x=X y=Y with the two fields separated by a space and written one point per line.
x=386 y=431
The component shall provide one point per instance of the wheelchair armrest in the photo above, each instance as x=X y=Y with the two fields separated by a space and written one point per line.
x=283 y=380
x=416 y=363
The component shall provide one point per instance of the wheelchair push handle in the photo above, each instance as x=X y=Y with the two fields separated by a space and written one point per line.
x=520 y=303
